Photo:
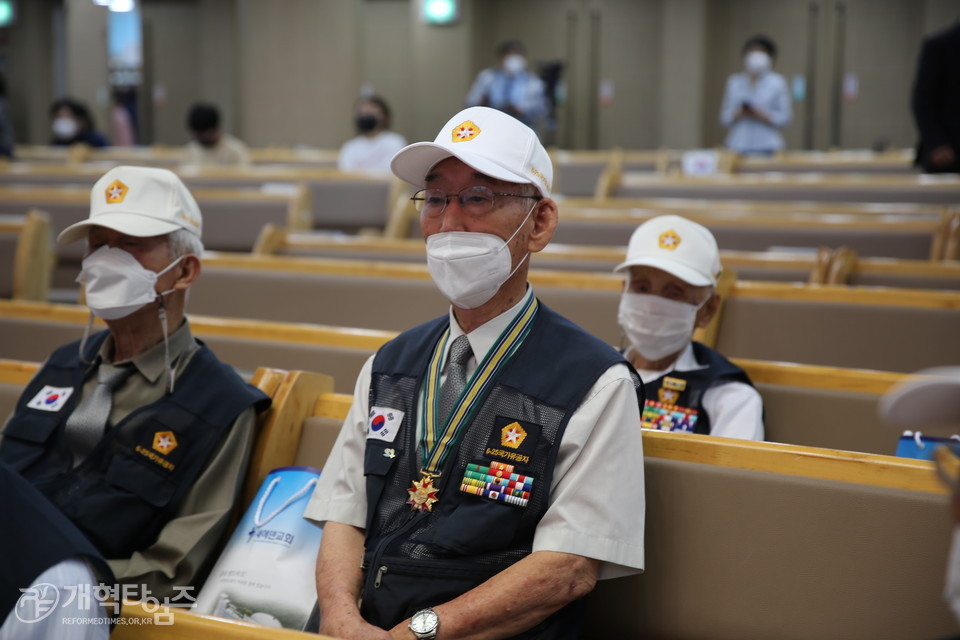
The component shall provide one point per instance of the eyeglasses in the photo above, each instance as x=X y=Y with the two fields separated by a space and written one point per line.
x=475 y=201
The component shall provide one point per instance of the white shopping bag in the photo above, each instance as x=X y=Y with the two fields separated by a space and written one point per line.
x=266 y=572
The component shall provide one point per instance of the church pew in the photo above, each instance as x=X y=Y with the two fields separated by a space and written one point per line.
x=26 y=253
x=777 y=266
x=745 y=540
x=912 y=237
x=786 y=186
x=232 y=217
x=338 y=200
x=762 y=540
x=803 y=404
x=828 y=325
x=31 y=331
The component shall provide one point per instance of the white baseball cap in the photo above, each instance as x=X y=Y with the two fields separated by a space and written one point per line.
x=138 y=201
x=932 y=399
x=676 y=245
x=490 y=141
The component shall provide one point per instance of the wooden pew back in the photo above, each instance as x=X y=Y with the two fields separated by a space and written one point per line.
x=26 y=255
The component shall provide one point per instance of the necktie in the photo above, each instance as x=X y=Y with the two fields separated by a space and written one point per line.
x=86 y=424
x=452 y=387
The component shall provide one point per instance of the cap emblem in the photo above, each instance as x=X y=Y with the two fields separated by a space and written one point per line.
x=465 y=132
x=116 y=192
x=669 y=240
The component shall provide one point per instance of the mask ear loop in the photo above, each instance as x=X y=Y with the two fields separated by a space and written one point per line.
x=83 y=341
x=162 y=312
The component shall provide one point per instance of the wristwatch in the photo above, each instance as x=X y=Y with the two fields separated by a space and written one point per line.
x=424 y=624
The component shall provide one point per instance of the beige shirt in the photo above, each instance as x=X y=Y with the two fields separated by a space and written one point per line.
x=186 y=543
x=228 y=152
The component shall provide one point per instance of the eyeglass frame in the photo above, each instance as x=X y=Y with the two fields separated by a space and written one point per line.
x=459 y=196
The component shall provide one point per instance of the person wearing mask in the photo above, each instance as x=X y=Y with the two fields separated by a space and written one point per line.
x=936 y=102
x=72 y=123
x=374 y=145
x=510 y=87
x=490 y=469
x=138 y=433
x=211 y=145
x=671 y=267
x=756 y=102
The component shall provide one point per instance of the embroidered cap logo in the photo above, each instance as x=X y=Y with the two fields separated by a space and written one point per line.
x=116 y=192
x=465 y=132
x=669 y=240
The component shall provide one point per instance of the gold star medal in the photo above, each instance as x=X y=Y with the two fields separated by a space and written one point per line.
x=423 y=494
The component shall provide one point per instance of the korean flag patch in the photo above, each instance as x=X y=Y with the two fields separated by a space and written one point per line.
x=384 y=424
x=51 y=398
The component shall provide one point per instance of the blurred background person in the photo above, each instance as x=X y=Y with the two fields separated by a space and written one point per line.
x=510 y=87
x=71 y=123
x=375 y=144
x=756 y=102
x=936 y=102
x=211 y=146
x=123 y=129
x=7 y=140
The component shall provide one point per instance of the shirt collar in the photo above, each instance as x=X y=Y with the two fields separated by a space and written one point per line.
x=485 y=336
x=150 y=363
x=686 y=362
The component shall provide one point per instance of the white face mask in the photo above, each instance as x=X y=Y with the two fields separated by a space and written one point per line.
x=116 y=284
x=469 y=267
x=65 y=128
x=757 y=62
x=514 y=63
x=656 y=326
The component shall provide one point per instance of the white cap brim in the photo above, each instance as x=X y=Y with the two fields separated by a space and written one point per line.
x=129 y=223
x=682 y=271
x=929 y=401
x=413 y=163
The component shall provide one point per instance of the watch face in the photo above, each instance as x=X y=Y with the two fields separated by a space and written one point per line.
x=423 y=622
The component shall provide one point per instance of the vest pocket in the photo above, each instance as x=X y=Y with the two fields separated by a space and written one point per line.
x=474 y=526
x=147 y=485
x=35 y=428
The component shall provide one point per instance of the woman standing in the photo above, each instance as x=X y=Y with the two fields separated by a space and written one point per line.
x=756 y=103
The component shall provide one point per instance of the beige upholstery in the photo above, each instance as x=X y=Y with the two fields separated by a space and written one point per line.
x=825 y=418
x=316 y=441
x=34 y=340
x=736 y=554
x=889 y=338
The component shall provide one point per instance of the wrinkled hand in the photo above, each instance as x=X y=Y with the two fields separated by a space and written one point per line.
x=351 y=627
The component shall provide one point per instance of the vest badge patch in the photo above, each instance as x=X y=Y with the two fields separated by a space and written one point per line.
x=668 y=417
x=668 y=396
x=677 y=384
x=51 y=398
x=384 y=424
x=512 y=435
x=512 y=441
x=164 y=442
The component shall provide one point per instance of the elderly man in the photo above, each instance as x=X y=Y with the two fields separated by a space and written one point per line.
x=672 y=267
x=490 y=469
x=138 y=433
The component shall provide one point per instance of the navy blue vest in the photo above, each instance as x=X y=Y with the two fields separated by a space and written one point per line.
x=133 y=481
x=418 y=559
x=718 y=370
x=35 y=537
